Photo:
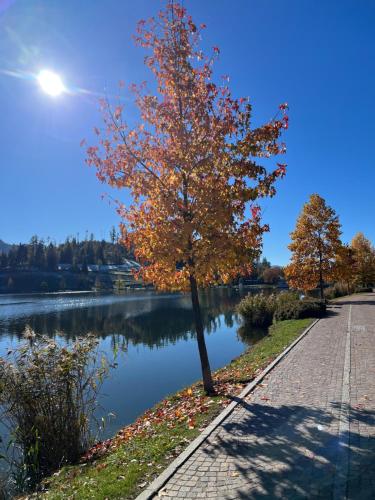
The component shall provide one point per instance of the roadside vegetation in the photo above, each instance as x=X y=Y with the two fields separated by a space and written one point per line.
x=124 y=465
x=48 y=396
x=338 y=290
x=261 y=310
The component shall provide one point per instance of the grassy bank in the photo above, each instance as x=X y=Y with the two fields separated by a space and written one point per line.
x=121 y=467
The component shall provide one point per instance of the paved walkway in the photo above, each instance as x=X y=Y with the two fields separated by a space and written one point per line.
x=308 y=431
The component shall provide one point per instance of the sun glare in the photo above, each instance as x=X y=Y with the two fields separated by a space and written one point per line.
x=50 y=83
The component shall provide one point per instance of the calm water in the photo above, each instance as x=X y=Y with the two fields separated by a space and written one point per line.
x=156 y=330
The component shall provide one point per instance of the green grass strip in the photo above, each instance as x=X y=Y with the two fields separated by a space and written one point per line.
x=125 y=471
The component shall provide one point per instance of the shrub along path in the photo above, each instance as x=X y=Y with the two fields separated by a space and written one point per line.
x=308 y=430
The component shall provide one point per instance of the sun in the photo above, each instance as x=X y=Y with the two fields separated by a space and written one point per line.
x=50 y=83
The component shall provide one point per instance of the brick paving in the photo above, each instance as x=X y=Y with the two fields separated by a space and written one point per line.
x=287 y=439
x=362 y=392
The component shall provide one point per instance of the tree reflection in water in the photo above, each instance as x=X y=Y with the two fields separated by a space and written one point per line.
x=154 y=329
x=151 y=321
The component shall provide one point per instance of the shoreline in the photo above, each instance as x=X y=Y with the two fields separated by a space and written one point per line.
x=67 y=292
x=139 y=452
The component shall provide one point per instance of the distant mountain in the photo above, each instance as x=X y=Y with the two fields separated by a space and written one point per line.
x=4 y=247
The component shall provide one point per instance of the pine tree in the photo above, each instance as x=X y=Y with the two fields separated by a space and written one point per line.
x=51 y=257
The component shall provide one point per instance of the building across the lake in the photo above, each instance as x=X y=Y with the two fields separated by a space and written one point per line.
x=128 y=265
x=108 y=276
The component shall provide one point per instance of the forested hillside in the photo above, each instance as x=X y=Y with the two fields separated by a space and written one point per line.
x=47 y=255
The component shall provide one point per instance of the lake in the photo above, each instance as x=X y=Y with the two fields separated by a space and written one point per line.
x=155 y=332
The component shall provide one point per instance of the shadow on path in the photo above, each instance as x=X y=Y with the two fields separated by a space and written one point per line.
x=291 y=451
x=361 y=299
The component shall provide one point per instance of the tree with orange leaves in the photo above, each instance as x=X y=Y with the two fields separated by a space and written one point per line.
x=364 y=261
x=315 y=243
x=345 y=266
x=191 y=168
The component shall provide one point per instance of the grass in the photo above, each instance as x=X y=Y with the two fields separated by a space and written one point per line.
x=245 y=367
x=123 y=466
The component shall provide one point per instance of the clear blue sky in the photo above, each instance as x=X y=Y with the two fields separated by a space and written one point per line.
x=319 y=56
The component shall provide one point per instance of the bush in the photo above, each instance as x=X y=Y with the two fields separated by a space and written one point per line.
x=260 y=310
x=257 y=310
x=364 y=290
x=336 y=290
x=287 y=306
x=48 y=394
x=290 y=306
x=312 y=308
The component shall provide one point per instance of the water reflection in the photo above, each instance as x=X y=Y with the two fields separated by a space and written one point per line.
x=152 y=320
x=156 y=330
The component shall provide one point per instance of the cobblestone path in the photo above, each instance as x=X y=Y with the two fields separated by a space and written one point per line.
x=308 y=431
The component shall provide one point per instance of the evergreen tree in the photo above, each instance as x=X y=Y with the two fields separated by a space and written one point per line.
x=51 y=257
x=66 y=256
x=39 y=256
x=113 y=235
x=3 y=260
x=21 y=254
x=90 y=254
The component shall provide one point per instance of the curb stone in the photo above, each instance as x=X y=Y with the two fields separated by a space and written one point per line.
x=153 y=488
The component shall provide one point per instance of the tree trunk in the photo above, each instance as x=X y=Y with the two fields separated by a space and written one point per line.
x=205 y=364
x=321 y=286
x=321 y=276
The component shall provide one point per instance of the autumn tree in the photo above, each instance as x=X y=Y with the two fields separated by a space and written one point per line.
x=258 y=268
x=364 y=257
x=344 y=271
x=191 y=167
x=272 y=275
x=314 y=246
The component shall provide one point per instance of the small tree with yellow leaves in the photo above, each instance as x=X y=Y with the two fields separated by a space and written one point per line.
x=364 y=261
x=314 y=246
x=345 y=266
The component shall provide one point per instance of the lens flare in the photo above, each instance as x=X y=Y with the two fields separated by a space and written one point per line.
x=50 y=83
